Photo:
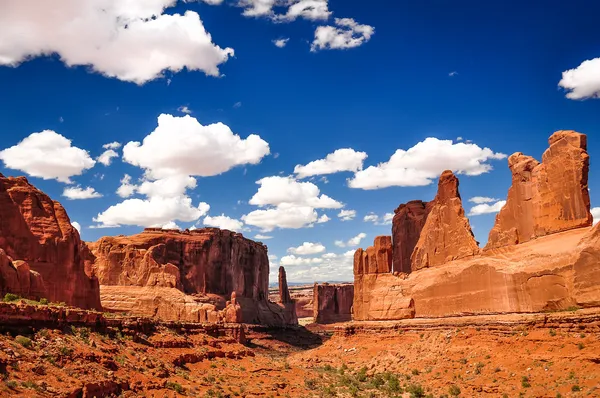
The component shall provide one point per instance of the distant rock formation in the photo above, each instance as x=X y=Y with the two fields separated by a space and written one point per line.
x=332 y=303
x=205 y=265
x=546 y=197
x=408 y=222
x=447 y=234
x=37 y=235
x=289 y=305
x=16 y=277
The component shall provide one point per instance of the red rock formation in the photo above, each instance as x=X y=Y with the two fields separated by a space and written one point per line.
x=204 y=261
x=186 y=271
x=37 y=230
x=377 y=259
x=447 y=234
x=408 y=222
x=16 y=277
x=333 y=303
x=289 y=305
x=546 y=197
x=233 y=311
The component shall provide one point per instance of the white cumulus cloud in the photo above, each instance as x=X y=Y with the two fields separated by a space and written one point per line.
x=185 y=147
x=596 y=214
x=76 y=225
x=424 y=162
x=107 y=156
x=307 y=9
x=75 y=193
x=152 y=212
x=47 y=155
x=307 y=249
x=355 y=241
x=345 y=159
x=293 y=260
x=283 y=216
x=265 y=237
x=347 y=215
x=346 y=34
x=281 y=42
x=582 y=82
x=482 y=199
x=276 y=191
x=112 y=145
x=323 y=219
x=131 y=40
x=170 y=225
x=224 y=222
x=486 y=208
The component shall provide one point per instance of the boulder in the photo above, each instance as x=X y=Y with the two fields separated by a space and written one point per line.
x=447 y=234
x=36 y=230
x=407 y=224
x=547 y=197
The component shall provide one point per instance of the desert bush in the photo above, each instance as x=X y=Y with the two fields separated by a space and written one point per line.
x=454 y=390
x=10 y=297
x=525 y=382
x=24 y=341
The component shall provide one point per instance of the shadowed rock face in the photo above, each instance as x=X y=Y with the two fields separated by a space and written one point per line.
x=408 y=222
x=447 y=234
x=546 y=197
x=37 y=231
x=332 y=303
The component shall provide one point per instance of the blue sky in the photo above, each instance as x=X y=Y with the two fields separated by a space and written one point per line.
x=372 y=78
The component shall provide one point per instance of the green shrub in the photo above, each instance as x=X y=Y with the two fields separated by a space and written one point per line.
x=24 y=341
x=12 y=384
x=44 y=301
x=9 y=297
x=394 y=384
x=362 y=375
x=415 y=391
x=311 y=384
x=525 y=382
x=580 y=346
x=454 y=390
x=415 y=372
x=552 y=332
x=575 y=388
x=175 y=387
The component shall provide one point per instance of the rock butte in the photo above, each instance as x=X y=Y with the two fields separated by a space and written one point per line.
x=332 y=303
x=542 y=254
x=42 y=255
x=185 y=275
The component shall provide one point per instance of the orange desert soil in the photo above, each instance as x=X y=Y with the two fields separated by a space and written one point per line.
x=535 y=355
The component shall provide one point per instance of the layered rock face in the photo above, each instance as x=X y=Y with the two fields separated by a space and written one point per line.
x=187 y=271
x=542 y=254
x=332 y=303
x=447 y=234
x=546 y=197
x=16 y=277
x=409 y=220
x=37 y=235
x=377 y=259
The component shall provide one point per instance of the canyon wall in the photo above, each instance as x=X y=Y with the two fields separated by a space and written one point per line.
x=332 y=303
x=542 y=254
x=43 y=255
x=149 y=272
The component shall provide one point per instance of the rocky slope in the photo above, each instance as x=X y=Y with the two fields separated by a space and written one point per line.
x=42 y=254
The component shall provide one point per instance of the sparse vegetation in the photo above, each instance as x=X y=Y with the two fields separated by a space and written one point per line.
x=454 y=390
x=525 y=382
x=10 y=297
x=24 y=341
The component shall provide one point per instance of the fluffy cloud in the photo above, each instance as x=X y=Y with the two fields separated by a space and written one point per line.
x=596 y=214
x=347 y=215
x=188 y=148
x=386 y=219
x=184 y=109
x=166 y=187
x=76 y=225
x=74 y=193
x=112 y=145
x=486 y=208
x=130 y=40
x=283 y=216
x=293 y=260
x=264 y=237
x=582 y=82
x=281 y=42
x=482 y=199
x=352 y=242
x=106 y=157
x=47 y=155
x=345 y=159
x=276 y=191
x=307 y=249
x=126 y=189
x=224 y=222
x=323 y=219
x=421 y=164
x=153 y=212
x=347 y=34
x=308 y=9
x=170 y=225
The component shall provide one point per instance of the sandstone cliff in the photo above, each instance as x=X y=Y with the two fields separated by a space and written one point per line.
x=332 y=303
x=37 y=231
x=407 y=224
x=149 y=272
x=447 y=234
x=546 y=197
x=289 y=305
x=377 y=259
